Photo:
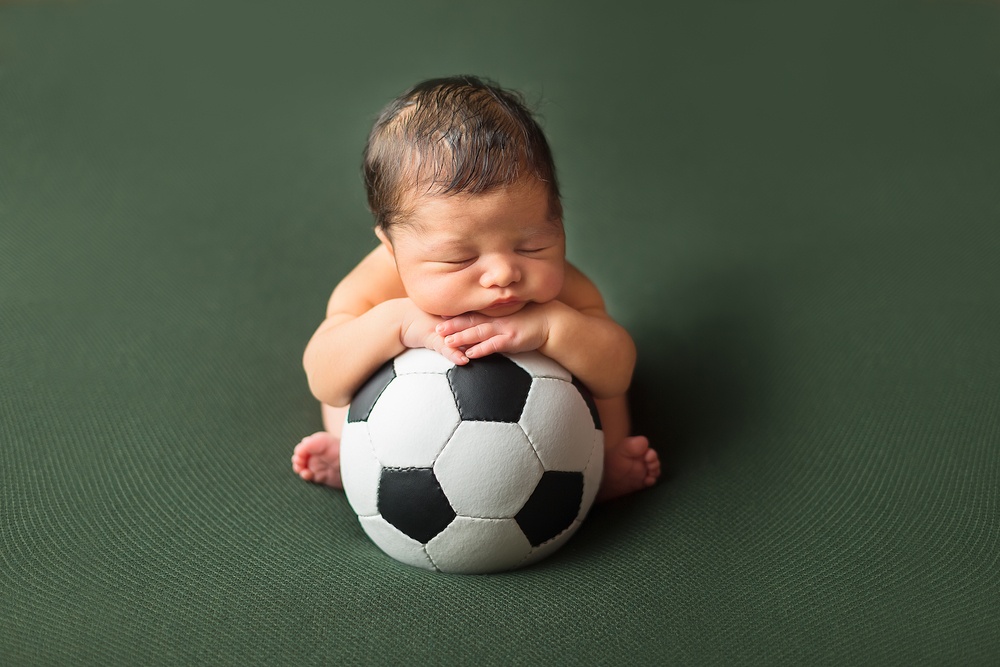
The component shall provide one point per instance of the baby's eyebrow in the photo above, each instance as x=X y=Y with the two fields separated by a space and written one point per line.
x=448 y=244
x=542 y=233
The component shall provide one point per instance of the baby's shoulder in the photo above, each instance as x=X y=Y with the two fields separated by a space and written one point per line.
x=580 y=293
x=371 y=282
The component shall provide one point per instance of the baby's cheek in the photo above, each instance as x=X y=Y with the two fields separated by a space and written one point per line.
x=554 y=284
x=441 y=300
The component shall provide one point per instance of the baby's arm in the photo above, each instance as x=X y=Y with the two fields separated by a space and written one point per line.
x=595 y=348
x=367 y=323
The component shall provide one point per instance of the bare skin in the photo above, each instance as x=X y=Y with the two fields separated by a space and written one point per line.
x=469 y=276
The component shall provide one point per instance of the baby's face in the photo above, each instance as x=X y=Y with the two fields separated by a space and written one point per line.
x=489 y=253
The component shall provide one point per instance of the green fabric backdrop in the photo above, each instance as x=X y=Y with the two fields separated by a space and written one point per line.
x=794 y=207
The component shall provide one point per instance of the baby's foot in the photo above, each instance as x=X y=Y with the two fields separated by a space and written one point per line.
x=629 y=467
x=317 y=459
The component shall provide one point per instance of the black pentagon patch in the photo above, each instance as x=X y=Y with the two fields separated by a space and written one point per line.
x=411 y=499
x=366 y=397
x=552 y=507
x=490 y=389
x=589 y=400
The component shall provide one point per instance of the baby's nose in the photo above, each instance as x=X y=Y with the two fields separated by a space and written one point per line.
x=500 y=273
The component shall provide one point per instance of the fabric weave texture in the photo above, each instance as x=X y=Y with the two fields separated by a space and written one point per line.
x=794 y=208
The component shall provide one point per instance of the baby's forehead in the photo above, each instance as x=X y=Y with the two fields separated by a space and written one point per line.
x=525 y=208
x=443 y=232
x=432 y=194
x=444 y=236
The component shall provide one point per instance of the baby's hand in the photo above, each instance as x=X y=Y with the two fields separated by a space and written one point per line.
x=481 y=336
x=419 y=329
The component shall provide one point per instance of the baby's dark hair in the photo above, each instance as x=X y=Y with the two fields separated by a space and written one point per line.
x=453 y=135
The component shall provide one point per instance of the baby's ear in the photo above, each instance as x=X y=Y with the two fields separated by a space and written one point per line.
x=386 y=241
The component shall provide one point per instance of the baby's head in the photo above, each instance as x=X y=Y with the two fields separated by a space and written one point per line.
x=459 y=135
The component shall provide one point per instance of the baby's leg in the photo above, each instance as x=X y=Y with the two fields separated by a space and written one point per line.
x=317 y=457
x=629 y=462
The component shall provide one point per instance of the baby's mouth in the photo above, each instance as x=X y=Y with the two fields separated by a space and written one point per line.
x=500 y=303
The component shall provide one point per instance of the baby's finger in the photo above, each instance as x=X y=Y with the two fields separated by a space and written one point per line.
x=488 y=347
x=473 y=335
x=456 y=357
x=458 y=323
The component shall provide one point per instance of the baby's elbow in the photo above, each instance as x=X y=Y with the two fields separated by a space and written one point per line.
x=614 y=388
x=320 y=388
x=327 y=395
x=337 y=401
x=613 y=384
x=624 y=365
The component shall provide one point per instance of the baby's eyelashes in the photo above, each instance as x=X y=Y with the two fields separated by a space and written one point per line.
x=457 y=262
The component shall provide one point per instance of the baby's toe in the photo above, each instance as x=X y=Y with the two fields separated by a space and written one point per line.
x=313 y=444
x=636 y=446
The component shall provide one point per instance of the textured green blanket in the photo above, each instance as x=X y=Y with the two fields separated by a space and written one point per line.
x=794 y=207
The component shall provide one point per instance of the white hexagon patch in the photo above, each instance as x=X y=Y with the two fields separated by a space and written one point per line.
x=417 y=410
x=488 y=469
x=471 y=546
x=558 y=424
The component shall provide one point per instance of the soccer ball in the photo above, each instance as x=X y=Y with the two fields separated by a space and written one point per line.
x=471 y=469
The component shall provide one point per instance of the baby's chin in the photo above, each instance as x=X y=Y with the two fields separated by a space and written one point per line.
x=496 y=311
